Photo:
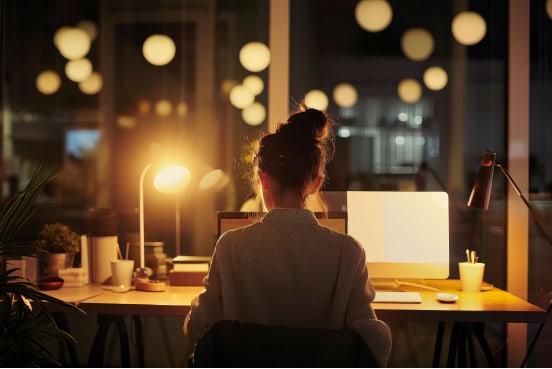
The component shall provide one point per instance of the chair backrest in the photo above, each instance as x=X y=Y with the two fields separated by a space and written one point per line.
x=237 y=344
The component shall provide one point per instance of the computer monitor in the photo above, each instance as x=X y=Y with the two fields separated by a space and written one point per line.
x=81 y=143
x=335 y=200
x=405 y=234
x=227 y=220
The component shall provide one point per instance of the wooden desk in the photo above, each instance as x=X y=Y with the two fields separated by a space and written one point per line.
x=174 y=301
x=493 y=306
x=468 y=314
x=76 y=295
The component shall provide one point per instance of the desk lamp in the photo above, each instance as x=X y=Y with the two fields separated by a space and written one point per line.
x=479 y=199
x=171 y=179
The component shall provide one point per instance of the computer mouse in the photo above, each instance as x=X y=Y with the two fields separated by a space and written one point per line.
x=446 y=297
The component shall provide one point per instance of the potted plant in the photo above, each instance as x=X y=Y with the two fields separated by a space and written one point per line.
x=59 y=244
x=26 y=323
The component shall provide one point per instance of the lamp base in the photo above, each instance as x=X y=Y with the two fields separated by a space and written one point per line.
x=145 y=284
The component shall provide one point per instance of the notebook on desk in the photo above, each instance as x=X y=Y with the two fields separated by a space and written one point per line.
x=404 y=297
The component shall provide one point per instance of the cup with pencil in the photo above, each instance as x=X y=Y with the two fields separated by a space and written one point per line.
x=471 y=272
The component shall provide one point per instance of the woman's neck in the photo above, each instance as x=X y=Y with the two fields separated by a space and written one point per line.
x=288 y=199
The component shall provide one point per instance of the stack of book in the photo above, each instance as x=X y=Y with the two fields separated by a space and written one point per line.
x=189 y=270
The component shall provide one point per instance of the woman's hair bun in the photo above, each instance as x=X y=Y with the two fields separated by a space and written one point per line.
x=311 y=123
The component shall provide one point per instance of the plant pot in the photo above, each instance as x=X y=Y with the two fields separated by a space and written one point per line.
x=56 y=261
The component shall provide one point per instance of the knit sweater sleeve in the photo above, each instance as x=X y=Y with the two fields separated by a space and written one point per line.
x=362 y=291
x=206 y=308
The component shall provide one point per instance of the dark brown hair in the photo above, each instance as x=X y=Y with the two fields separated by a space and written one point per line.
x=297 y=153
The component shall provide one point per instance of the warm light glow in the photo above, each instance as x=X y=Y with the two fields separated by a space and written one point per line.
x=316 y=99
x=254 y=114
x=254 y=56
x=253 y=84
x=182 y=109
x=435 y=78
x=172 y=179
x=345 y=95
x=250 y=205
x=59 y=34
x=468 y=28
x=92 y=85
x=159 y=49
x=241 y=97
x=549 y=8
x=144 y=107
x=163 y=108
x=215 y=180
x=78 y=70
x=409 y=90
x=417 y=44
x=48 y=82
x=90 y=28
x=373 y=15
x=72 y=42
x=126 y=121
x=227 y=85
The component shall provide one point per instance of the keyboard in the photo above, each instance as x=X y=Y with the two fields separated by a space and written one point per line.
x=398 y=297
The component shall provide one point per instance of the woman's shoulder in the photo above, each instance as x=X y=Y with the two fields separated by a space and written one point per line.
x=341 y=238
x=236 y=234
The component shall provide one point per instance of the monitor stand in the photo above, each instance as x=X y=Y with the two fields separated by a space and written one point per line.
x=385 y=284
x=394 y=284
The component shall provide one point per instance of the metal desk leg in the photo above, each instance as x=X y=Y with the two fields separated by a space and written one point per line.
x=438 y=344
x=462 y=345
x=471 y=348
x=139 y=340
x=479 y=333
x=97 y=352
x=453 y=346
x=123 y=342
x=463 y=332
x=61 y=321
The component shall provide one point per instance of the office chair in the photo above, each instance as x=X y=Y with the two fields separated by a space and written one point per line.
x=230 y=343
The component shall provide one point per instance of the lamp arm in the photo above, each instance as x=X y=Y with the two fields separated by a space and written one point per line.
x=142 y=176
x=532 y=212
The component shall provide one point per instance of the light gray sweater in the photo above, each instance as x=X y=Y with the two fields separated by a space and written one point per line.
x=288 y=270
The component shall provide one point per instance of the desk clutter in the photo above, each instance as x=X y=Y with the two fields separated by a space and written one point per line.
x=189 y=270
x=97 y=258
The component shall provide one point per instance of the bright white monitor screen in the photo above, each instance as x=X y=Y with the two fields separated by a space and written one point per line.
x=405 y=234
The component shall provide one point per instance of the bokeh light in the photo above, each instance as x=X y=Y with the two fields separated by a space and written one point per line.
x=254 y=56
x=435 y=78
x=345 y=95
x=468 y=28
x=254 y=114
x=316 y=99
x=409 y=90
x=159 y=49
x=417 y=44
x=373 y=15
x=48 y=82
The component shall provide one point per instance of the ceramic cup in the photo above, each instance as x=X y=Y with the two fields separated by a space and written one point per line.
x=121 y=272
x=471 y=276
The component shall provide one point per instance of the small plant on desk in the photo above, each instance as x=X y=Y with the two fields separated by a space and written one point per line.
x=59 y=244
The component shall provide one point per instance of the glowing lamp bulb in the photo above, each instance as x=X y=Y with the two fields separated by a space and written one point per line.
x=172 y=179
